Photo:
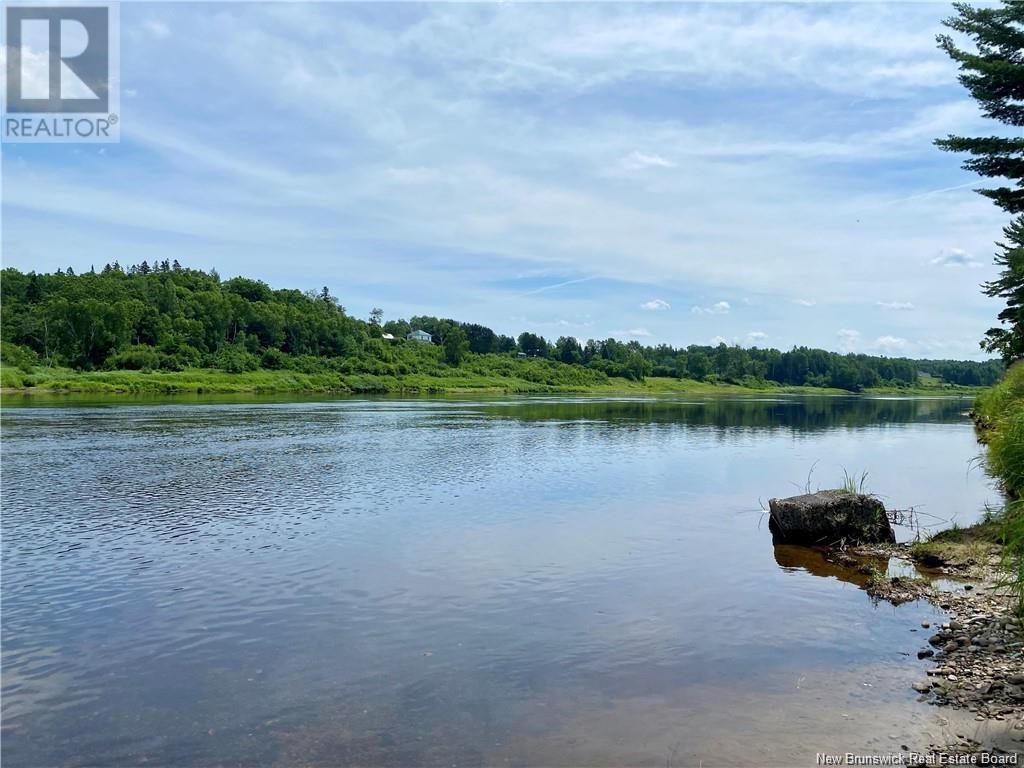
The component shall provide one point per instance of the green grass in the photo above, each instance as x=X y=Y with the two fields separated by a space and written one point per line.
x=42 y=380
x=999 y=413
x=938 y=390
x=854 y=483
x=960 y=548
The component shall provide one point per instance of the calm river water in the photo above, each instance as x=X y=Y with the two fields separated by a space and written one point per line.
x=512 y=581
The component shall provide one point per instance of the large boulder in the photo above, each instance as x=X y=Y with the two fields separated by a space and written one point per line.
x=827 y=518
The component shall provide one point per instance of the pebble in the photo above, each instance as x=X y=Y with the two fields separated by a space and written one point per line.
x=977 y=656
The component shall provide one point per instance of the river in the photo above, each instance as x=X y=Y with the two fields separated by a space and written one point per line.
x=509 y=580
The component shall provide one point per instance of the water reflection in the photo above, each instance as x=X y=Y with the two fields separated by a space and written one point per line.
x=444 y=581
x=815 y=561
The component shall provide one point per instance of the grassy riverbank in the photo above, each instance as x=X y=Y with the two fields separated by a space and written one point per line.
x=200 y=380
x=207 y=380
x=999 y=414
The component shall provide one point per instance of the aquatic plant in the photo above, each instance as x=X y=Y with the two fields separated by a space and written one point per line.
x=854 y=483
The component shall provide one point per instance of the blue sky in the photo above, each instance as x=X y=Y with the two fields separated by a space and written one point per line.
x=676 y=173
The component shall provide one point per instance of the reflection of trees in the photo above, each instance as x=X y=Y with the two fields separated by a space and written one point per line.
x=792 y=557
x=796 y=413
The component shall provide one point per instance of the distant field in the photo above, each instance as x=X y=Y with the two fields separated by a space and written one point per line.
x=200 y=380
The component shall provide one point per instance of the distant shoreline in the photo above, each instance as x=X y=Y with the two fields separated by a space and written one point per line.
x=213 y=381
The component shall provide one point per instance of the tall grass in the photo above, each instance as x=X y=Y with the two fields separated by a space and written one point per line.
x=854 y=483
x=1012 y=535
x=1000 y=415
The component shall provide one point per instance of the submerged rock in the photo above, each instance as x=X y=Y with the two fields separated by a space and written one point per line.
x=829 y=517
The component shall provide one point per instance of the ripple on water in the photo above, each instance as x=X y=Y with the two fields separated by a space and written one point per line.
x=393 y=582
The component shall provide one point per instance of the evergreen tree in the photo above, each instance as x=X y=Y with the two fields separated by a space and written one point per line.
x=1009 y=342
x=994 y=76
x=33 y=293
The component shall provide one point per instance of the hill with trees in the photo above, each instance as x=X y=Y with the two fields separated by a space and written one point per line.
x=169 y=318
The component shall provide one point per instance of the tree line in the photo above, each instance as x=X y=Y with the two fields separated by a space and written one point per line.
x=168 y=317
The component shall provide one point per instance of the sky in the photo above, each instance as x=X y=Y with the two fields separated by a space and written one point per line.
x=760 y=174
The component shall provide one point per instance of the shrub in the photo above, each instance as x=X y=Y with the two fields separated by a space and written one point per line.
x=136 y=358
x=235 y=359
x=1000 y=414
x=18 y=357
x=272 y=358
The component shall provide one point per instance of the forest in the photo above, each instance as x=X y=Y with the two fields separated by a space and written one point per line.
x=165 y=317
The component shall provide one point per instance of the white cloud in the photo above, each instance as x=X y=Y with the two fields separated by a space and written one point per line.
x=716 y=340
x=895 y=305
x=890 y=344
x=718 y=308
x=433 y=133
x=636 y=161
x=655 y=304
x=756 y=337
x=634 y=332
x=955 y=257
x=849 y=340
x=853 y=341
x=156 y=28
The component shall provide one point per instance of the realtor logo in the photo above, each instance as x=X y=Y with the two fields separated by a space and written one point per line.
x=61 y=73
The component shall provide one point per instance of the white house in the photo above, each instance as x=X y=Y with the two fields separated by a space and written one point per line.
x=387 y=337
x=419 y=336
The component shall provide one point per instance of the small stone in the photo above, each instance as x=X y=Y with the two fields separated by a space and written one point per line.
x=954 y=625
x=1015 y=679
x=925 y=654
x=922 y=686
x=950 y=646
x=925 y=624
x=968 y=587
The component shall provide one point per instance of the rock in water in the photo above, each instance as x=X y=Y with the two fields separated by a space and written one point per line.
x=829 y=517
